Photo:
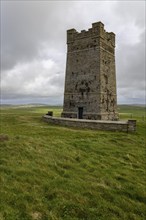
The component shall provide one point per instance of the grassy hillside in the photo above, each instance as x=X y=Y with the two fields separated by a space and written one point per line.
x=53 y=173
x=132 y=112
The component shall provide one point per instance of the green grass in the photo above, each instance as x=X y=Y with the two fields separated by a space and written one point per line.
x=53 y=173
x=132 y=112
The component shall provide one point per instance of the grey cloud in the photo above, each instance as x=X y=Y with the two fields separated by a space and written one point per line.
x=36 y=79
x=131 y=64
x=33 y=34
x=25 y=25
x=131 y=12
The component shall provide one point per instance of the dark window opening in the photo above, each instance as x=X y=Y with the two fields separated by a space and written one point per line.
x=80 y=112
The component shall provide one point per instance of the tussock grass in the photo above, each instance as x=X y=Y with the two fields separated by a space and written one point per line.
x=53 y=173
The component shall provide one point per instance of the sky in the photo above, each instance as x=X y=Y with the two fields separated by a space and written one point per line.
x=33 y=47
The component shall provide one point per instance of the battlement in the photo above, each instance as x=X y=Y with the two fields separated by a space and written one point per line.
x=97 y=31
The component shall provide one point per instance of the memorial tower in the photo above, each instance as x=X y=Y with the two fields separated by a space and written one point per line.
x=90 y=81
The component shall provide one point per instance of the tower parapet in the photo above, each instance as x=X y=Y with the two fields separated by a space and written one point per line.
x=97 y=31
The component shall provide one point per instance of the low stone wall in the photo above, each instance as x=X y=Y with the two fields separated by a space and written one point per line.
x=126 y=126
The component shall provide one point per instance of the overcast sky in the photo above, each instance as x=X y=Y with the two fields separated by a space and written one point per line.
x=33 y=46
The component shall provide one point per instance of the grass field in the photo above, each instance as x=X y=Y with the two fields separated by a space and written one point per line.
x=57 y=173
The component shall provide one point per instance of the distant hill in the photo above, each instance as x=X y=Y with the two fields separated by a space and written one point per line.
x=139 y=105
x=43 y=104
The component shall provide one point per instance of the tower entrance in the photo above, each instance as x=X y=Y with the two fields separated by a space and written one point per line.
x=80 y=112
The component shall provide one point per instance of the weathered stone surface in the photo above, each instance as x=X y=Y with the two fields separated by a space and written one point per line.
x=126 y=126
x=131 y=125
x=90 y=83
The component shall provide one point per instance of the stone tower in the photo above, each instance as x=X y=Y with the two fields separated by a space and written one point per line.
x=90 y=83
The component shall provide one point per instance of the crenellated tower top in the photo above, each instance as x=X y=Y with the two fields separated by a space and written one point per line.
x=97 y=31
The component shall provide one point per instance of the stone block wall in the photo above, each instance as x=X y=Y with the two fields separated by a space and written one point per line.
x=90 y=83
x=125 y=126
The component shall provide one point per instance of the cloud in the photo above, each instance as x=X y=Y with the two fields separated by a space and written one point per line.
x=131 y=69
x=25 y=26
x=39 y=78
x=33 y=45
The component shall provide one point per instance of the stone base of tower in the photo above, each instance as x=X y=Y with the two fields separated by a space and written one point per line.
x=109 y=116
x=126 y=126
x=91 y=116
x=69 y=115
